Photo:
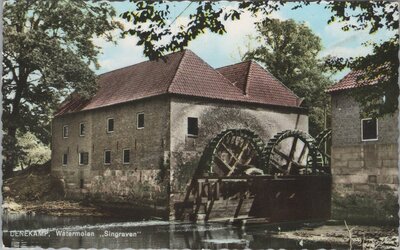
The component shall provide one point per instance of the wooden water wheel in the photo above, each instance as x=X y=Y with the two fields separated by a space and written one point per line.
x=324 y=142
x=292 y=152
x=234 y=152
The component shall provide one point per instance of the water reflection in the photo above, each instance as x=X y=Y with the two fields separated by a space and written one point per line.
x=94 y=232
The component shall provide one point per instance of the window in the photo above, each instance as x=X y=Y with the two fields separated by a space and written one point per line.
x=193 y=126
x=82 y=129
x=81 y=184
x=107 y=157
x=369 y=129
x=83 y=158
x=110 y=125
x=140 y=120
x=65 y=131
x=126 y=155
x=65 y=159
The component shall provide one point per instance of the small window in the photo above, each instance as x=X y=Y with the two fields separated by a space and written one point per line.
x=126 y=155
x=193 y=126
x=65 y=159
x=82 y=129
x=81 y=184
x=83 y=158
x=110 y=125
x=65 y=131
x=369 y=129
x=140 y=120
x=107 y=157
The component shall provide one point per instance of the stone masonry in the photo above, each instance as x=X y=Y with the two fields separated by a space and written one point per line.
x=358 y=165
x=163 y=143
x=161 y=156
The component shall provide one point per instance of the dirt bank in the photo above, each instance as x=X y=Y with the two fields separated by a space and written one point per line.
x=353 y=237
x=34 y=190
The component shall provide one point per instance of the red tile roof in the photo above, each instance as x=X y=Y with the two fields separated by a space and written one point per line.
x=258 y=85
x=350 y=81
x=184 y=73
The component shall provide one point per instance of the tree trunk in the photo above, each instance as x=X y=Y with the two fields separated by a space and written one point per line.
x=10 y=142
x=10 y=160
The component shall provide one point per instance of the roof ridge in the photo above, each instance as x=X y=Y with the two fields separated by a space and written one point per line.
x=147 y=60
x=230 y=65
x=246 y=88
x=206 y=64
x=218 y=70
x=176 y=71
x=278 y=80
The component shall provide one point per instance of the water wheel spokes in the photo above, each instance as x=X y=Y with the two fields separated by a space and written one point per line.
x=232 y=153
x=324 y=142
x=235 y=151
x=292 y=152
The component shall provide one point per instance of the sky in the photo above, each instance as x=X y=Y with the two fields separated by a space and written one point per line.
x=222 y=50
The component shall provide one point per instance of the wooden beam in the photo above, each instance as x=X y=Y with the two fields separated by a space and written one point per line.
x=224 y=163
x=238 y=158
x=239 y=206
x=291 y=154
x=229 y=151
x=302 y=153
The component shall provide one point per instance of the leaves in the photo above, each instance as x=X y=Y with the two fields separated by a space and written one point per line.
x=382 y=65
x=289 y=51
x=155 y=33
x=48 y=52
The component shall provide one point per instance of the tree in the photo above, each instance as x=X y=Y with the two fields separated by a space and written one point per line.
x=32 y=150
x=382 y=65
x=47 y=54
x=289 y=51
x=152 y=26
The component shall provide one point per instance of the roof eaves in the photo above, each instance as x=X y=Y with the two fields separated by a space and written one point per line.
x=244 y=101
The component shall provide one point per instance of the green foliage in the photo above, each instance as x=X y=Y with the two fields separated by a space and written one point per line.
x=375 y=207
x=152 y=27
x=31 y=150
x=152 y=23
x=48 y=50
x=289 y=51
x=382 y=65
x=163 y=173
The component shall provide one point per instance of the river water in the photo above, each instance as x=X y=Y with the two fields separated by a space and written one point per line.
x=93 y=232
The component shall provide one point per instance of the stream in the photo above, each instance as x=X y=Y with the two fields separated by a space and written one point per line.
x=45 y=231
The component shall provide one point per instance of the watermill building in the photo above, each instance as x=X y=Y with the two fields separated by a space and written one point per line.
x=140 y=137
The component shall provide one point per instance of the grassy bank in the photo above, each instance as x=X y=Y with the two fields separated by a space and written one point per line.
x=379 y=207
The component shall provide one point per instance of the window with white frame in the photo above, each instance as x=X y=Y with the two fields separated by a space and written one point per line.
x=83 y=158
x=65 y=159
x=82 y=129
x=126 y=156
x=110 y=125
x=107 y=157
x=65 y=131
x=369 y=129
x=140 y=120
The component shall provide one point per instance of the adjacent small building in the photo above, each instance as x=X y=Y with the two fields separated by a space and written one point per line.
x=139 y=138
x=364 y=149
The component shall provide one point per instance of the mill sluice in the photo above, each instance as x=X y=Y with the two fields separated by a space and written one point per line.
x=242 y=179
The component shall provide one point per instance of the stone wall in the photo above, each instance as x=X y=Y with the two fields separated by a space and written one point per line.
x=144 y=180
x=213 y=118
x=362 y=166
x=163 y=156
